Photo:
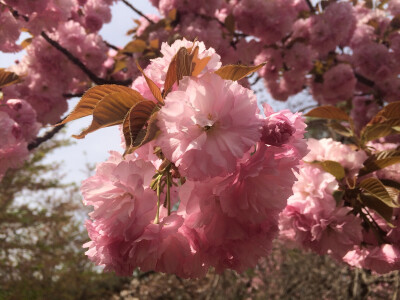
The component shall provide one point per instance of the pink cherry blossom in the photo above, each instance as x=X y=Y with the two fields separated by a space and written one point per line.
x=13 y=149
x=207 y=124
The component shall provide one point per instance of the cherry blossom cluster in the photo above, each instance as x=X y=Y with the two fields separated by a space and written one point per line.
x=315 y=220
x=43 y=64
x=47 y=75
x=18 y=127
x=229 y=171
x=338 y=51
x=47 y=15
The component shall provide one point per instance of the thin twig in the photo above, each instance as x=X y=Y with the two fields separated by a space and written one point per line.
x=364 y=80
x=80 y=65
x=137 y=11
x=47 y=136
x=111 y=46
x=72 y=95
x=256 y=80
x=312 y=9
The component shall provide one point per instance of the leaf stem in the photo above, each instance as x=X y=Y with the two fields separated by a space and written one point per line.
x=169 y=180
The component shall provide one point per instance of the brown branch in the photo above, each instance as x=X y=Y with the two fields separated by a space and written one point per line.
x=364 y=80
x=79 y=64
x=72 y=95
x=47 y=136
x=111 y=46
x=137 y=11
x=255 y=81
x=310 y=6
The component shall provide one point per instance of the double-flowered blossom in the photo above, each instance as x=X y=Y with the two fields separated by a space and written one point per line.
x=235 y=171
x=315 y=220
x=207 y=125
x=18 y=127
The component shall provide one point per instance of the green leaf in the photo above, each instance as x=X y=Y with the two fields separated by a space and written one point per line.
x=237 y=72
x=377 y=205
x=332 y=167
x=375 y=188
x=328 y=112
x=380 y=160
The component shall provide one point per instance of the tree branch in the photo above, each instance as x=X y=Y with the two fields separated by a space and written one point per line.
x=72 y=95
x=80 y=65
x=364 y=80
x=137 y=11
x=47 y=136
x=312 y=9
x=111 y=45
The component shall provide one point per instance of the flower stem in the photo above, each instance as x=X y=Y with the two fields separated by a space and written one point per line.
x=157 y=219
x=169 y=180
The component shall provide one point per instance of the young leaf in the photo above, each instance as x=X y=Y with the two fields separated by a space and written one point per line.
x=332 y=167
x=328 y=112
x=199 y=64
x=378 y=130
x=155 y=90
x=377 y=205
x=390 y=111
x=145 y=135
x=25 y=43
x=230 y=23
x=93 y=96
x=339 y=128
x=136 y=119
x=237 y=72
x=380 y=160
x=375 y=188
x=338 y=196
x=184 y=65
x=111 y=110
x=136 y=46
x=391 y=183
x=119 y=65
x=8 y=78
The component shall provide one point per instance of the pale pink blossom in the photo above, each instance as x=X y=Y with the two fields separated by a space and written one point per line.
x=207 y=124
x=13 y=148
x=23 y=114
x=10 y=31
x=333 y=28
x=338 y=85
x=123 y=235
